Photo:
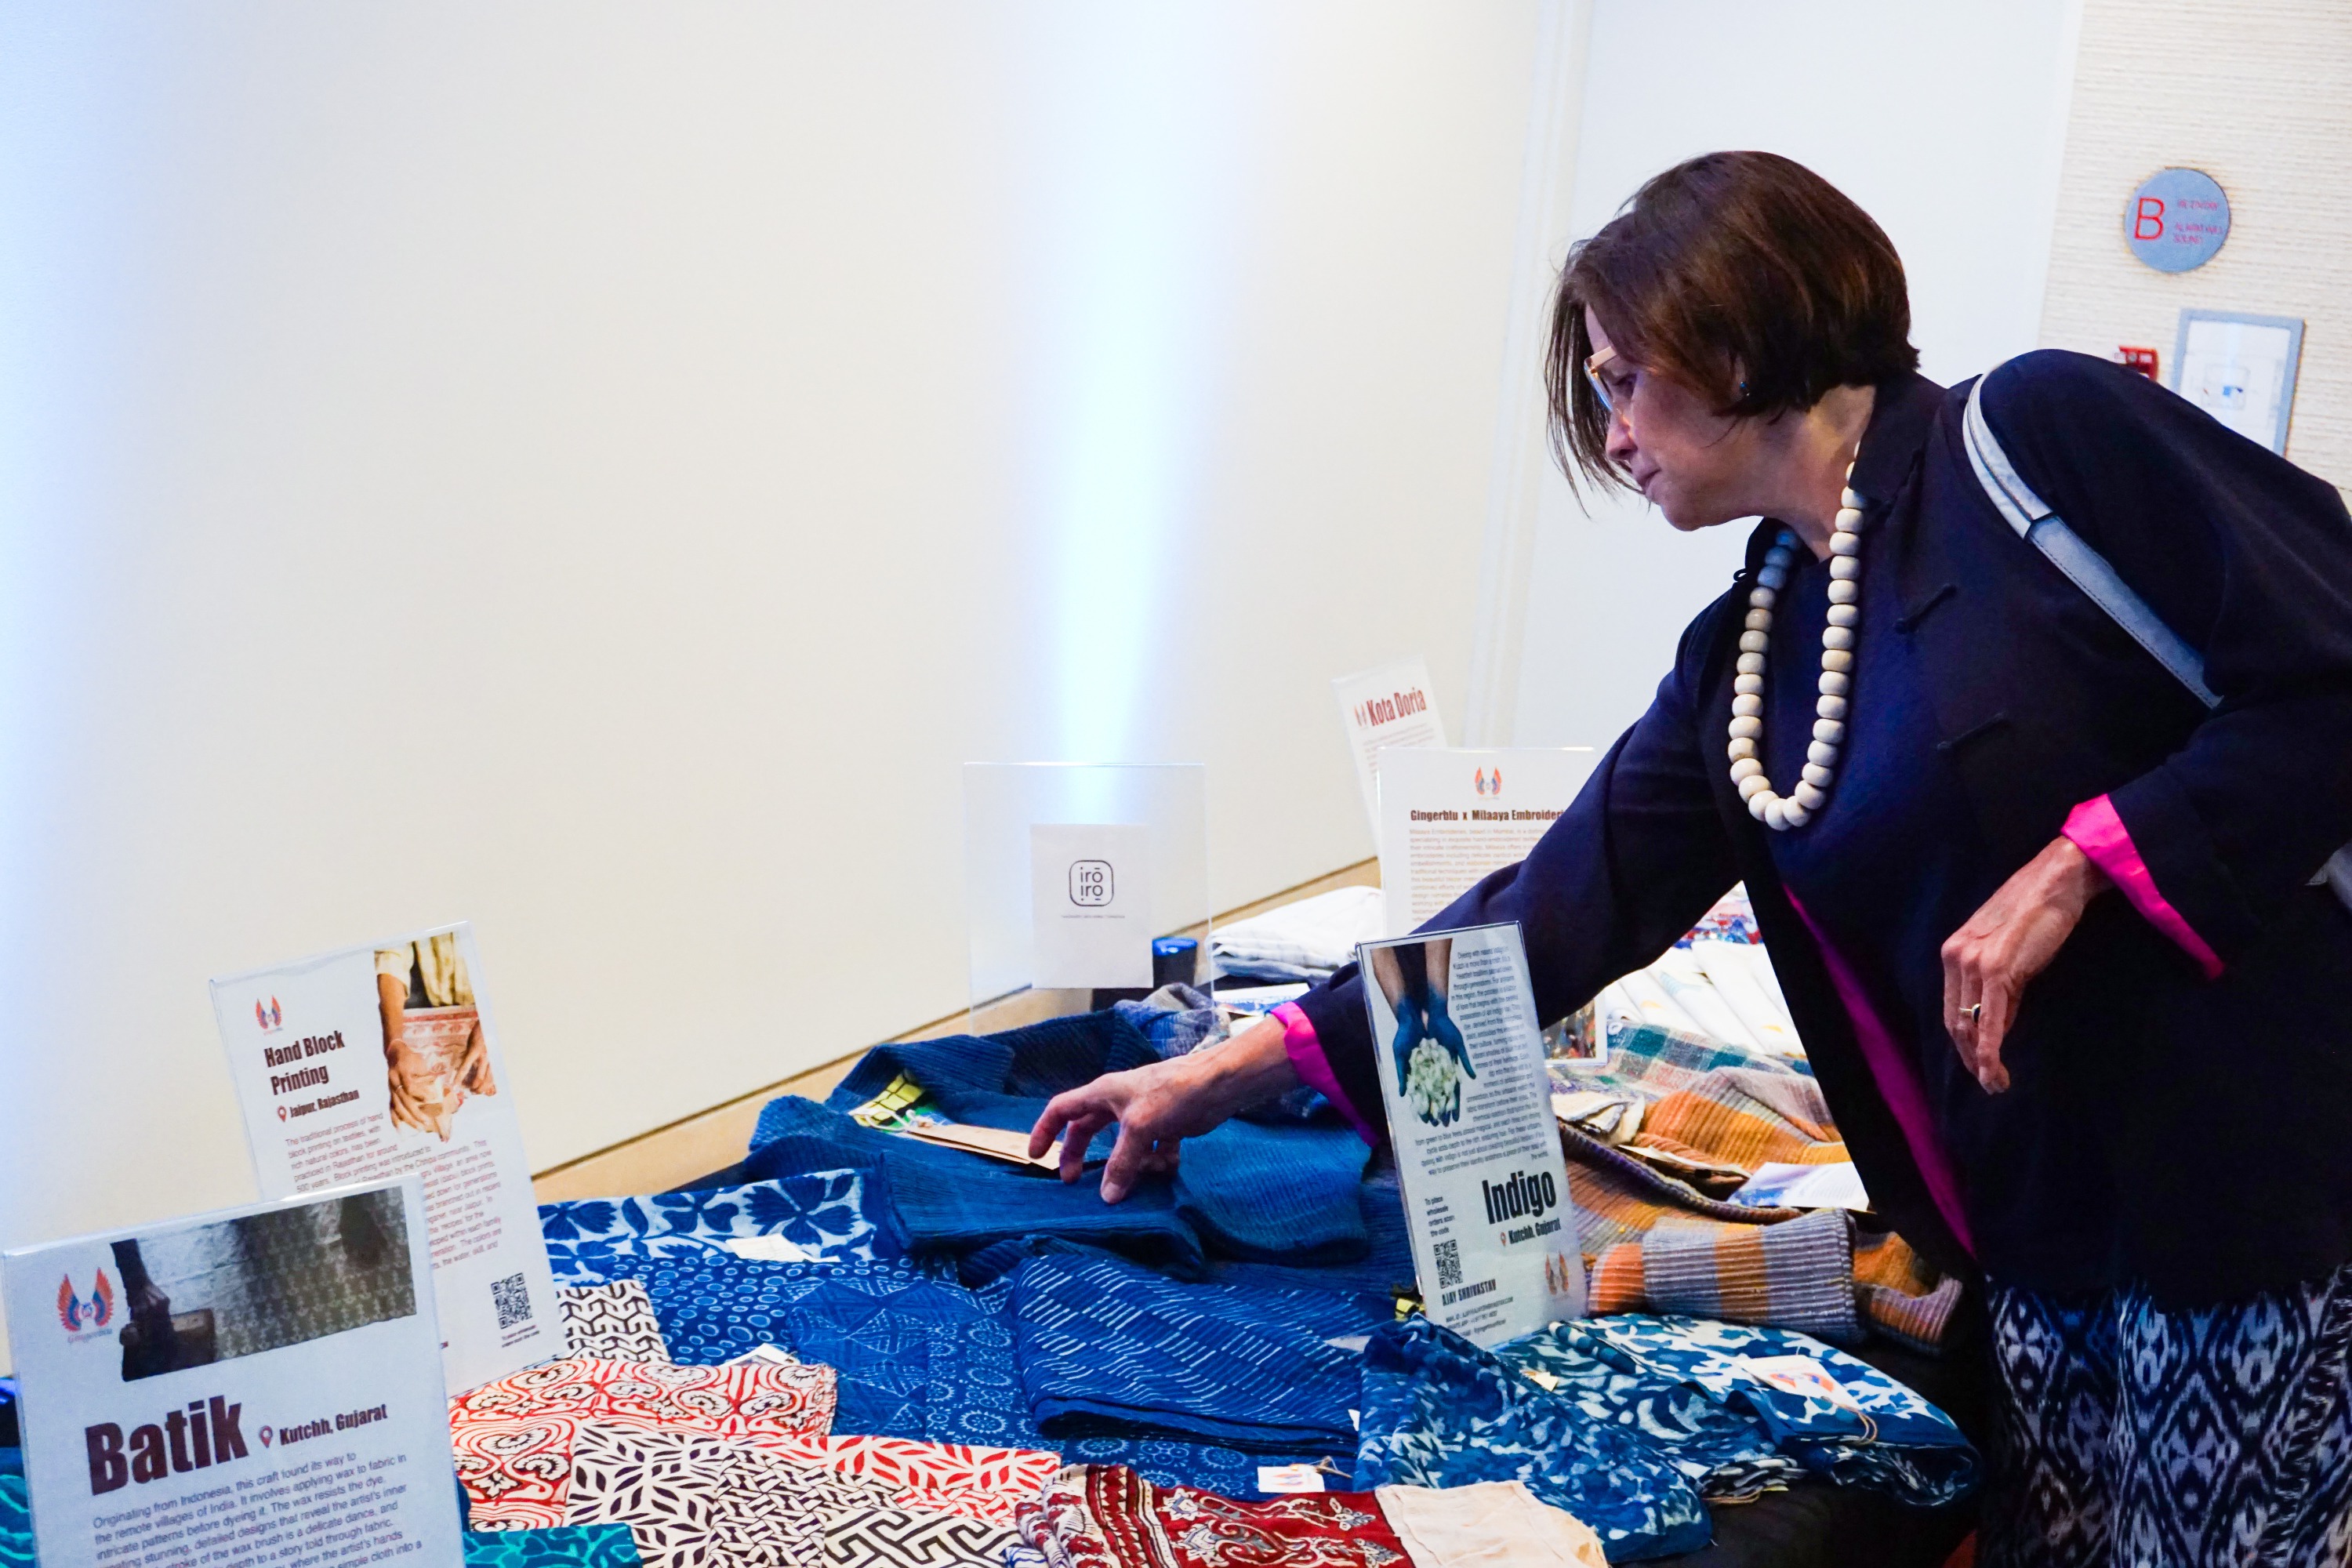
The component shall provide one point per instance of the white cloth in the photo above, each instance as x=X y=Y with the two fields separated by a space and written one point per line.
x=1490 y=1524
x=1304 y=941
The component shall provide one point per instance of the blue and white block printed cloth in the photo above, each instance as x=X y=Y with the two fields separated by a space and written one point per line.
x=826 y=1215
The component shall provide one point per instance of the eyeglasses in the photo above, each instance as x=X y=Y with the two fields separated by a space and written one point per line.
x=1594 y=366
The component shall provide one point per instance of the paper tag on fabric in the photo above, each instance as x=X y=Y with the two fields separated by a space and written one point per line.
x=770 y=1249
x=1281 y=1479
x=1797 y=1374
x=764 y=1355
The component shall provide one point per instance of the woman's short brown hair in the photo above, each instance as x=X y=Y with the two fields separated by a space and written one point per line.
x=1743 y=275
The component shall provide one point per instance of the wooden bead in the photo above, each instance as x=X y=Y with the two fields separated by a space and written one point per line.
x=1845 y=568
x=1835 y=683
x=1844 y=593
x=1837 y=637
x=1759 y=801
x=1830 y=729
x=1754 y=642
x=1754 y=782
x=1762 y=598
x=1844 y=544
x=1830 y=707
x=1773 y=577
x=1818 y=775
x=1850 y=500
x=1849 y=519
x=1844 y=614
x=1812 y=796
x=1776 y=814
x=1750 y=664
x=1759 y=620
x=1822 y=753
x=1837 y=658
x=1793 y=812
x=1746 y=768
x=1747 y=685
x=1747 y=729
x=1742 y=747
x=1748 y=706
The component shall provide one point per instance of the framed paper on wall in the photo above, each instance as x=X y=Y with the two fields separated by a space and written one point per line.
x=2241 y=369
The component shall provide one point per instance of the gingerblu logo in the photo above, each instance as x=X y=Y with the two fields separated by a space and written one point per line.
x=268 y=1014
x=196 y=1438
x=83 y=1314
x=1489 y=783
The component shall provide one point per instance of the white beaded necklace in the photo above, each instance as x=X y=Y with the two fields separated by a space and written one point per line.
x=1776 y=811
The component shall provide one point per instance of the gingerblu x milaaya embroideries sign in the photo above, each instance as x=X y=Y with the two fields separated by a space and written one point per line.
x=242 y=1387
x=1469 y=1109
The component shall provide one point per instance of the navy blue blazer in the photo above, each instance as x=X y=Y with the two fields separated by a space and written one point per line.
x=2186 y=1130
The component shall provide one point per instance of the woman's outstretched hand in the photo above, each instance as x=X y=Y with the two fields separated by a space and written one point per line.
x=2006 y=943
x=1160 y=1105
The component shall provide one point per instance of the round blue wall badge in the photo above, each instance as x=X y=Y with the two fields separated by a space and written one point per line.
x=2176 y=220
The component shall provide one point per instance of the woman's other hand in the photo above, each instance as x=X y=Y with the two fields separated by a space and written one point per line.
x=1160 y=1105
x=1989 y=960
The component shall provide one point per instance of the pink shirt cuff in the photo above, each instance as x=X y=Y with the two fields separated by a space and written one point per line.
x=2095 y=829
x=1314 y=1069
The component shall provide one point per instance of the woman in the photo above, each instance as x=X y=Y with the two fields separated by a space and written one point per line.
x=2044 y=922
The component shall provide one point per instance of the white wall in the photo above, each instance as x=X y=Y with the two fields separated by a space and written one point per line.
x=599 y=470
x=2258 y=93
x=1945 y=123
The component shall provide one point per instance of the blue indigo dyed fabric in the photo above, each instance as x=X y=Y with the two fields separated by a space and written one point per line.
x=916 y=1356
x=827 y=1213
x=1439 y=1412
x=1108 y=1349
x=567 y=1546
x=947 y=1202
x=1286 y=1191
x=1888 y=1438
x=1282 y=1193
x=15 y=1523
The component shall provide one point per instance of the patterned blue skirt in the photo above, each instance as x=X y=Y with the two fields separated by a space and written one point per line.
x=2130 y=1435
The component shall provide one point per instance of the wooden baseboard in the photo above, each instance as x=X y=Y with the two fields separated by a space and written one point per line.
x=661 y=1158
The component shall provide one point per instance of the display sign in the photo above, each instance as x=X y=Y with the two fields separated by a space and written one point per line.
x=259 y=1386
x=2242 y=370
x=1448 y=816
x=1090 y=901
x=2177 y=220
x=1469 y=1109
x=1394 y=705
x=376 y=1061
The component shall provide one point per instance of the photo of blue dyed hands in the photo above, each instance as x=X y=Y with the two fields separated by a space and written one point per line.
x=1431 y=1059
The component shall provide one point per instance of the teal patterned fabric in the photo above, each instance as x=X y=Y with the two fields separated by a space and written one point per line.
x=1439 y=1411
x=825 y=1213
x=15 y=1523
x=572 y=1546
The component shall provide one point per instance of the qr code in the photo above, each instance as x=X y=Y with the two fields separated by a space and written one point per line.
x=512 y=1298
x=1449 y=1263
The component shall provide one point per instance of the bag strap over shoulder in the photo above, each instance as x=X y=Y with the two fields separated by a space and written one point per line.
x=2088 y=570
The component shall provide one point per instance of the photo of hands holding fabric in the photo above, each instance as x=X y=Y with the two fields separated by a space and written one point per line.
x=433 y=1052
x=1431 y=1061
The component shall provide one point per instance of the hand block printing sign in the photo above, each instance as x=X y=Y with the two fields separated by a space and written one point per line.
x=1090 y=905
x=1469 y=1106
x=376 y=1061
x=249 y=1386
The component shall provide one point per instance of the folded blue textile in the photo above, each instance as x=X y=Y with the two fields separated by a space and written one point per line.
x=566 y=1546
x=916 y=1356
x=1439 y=1412
x=15 y=1523
x=830 y=1213
x=1626 y=1367
x=947 y=1202
x=1105 y=1348
x=1287 y=1191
